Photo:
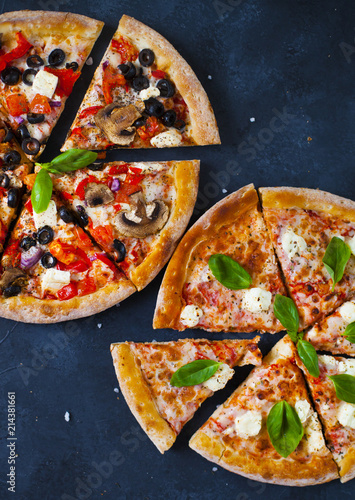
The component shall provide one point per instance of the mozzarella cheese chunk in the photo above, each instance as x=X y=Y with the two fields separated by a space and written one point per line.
x=45 y=83
x=54 y=279
x=314 y=435
x=292 y=243
x=220 y=378
x=190 y=315
x=248 y=424
x=346 y=414
x=351 y=243
x=347 y=312
x=46 y=218
x=256 y=300
x=149 y=92
x=303 y=409
x=347 y=366
x=169 y=139
x=329 y=362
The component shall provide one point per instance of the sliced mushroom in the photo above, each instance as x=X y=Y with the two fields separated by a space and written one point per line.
x=142 y=220
x=12 y=276
x=98 y=194
x=114 y=118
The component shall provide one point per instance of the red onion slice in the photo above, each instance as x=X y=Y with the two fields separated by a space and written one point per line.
x=115 y=186
x=30 y=257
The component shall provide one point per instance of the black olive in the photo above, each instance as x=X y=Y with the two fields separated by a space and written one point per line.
x=96 y=166
x=12 y=159
x=120 y=249
x=166 y=88
x=34 y=61
x=45 y=235
x=10 y=75
x=73 y=65
x=146 y=57
x=27 y=242
x=180 y=125
x=127 y=132
x=30 y=146
x=9 y=136
x=4 y=181
x=169 y=118
x=83 y=216
x=13 y=197
x=35 y=118
x=140 y=122
x=56 y=57
x=11 y=290
x=128 y=70
x=140 y=82
x=48 y=260
x=23 y=132
x=28 y=76
x=154 y=107
x=65 y=214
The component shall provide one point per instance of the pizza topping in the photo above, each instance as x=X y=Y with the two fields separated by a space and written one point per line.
x=27 y=242
x=220 y=378
x=347 y=312
x=28 y=76
x=30 y=257
x=65 y=214
x=153 y=107
x=54 y=279
x=248 y=424
x=169 y=118
x=34 y=61
x=13 y=197
x=128 y=70
x=12 y=159
x=35 y=118
x=20 y=50
x=292 y=243
x=346 y=414
x=303 y=409
x=169 y=139
x=195 y=373
x=314 y=435
x=46 y=218
x=113 y=119
x=120 y=250
x=347 y=366
x=98 y=194
x=146 y=57
x=56 y=57
x=335 y=259
x=45 y=83
x=166 y=88
x=10 y=75
x=228 y=272
x=284 y=428
x=12 y=279
x=17 y=104
x=190 y=315
x=145 y=94
x=30 y=146
x=45 y=234
x=4 y=180
x=73 y=65
x=140 y=83
x=351 y=243
x=256 y=300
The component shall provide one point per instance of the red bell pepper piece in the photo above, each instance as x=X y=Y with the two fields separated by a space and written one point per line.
x=80 y=190
x=66 y=79
x=125 y=48
x=40 y=105
x=119 y=169
x=110 y=80
x=28 y=205
x=106 y=260
x=23 y=46
x=68 y=291
x=92 y=110
x=86 y=286
x=17 y=104
x=158 y=73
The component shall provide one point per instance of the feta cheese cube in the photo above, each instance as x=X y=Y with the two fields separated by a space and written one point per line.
x=256 y=300
x=292 y=243
x=169 y=139
x=248 y=424
x=190 y=315
x=220 y=378
x=46 y=218
x=149 y=92
x=45 y=83
x=54 y=279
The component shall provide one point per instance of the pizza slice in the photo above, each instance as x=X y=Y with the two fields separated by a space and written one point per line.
x=302 y=223
x=332 y=334
x=337 y=416
x=51 y=271
x=145 y=372
x=42 y=54
x=236 y=436
x=136 y=212
x=143 y=95
x=233 y=234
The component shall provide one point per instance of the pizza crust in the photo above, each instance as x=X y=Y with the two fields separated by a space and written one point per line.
x=347 y=466
x=139 y=398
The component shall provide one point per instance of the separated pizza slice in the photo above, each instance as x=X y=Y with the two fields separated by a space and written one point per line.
x=337 y=415
x=136 y=212
x=41 y=59
x=145 y=372
x=51 y=271
x=302 y=223
x=223 y=275
x=143 y=95
x=335 y=333
x=237 y=438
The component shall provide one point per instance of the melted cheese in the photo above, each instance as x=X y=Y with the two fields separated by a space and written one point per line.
x=347 y=312
x=169 y=139
x=303 y=409
x=346 y=414
x=220 y=378
x=292 y=243
x=248 y=424
x=46 y=218
x=256 y=300
x=190 y=315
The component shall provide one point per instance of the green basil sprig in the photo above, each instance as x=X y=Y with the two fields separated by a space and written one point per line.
x=71 y=160
x=286 y=312
x=228 y=272
x=349 y=333
x=194 y=373
x=284 y=428
x=335 y=259
x=344 y=387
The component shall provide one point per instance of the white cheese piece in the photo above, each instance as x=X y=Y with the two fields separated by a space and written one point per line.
x=303 y=409
x=46 y=218
x=45 y=83
x=54 y=279
x=248 y=424
x=190 y=315
x=346 y=414
x=169 y=139
x=149 y=92
x=347 y=312
x=149 y=167
x=98 y=215
x=292 y=243
x=125 y=206
x=347 y=366
x=314 y=435
x=329 y=362
x=256 y=300
x=351 y=243
x=220 y=378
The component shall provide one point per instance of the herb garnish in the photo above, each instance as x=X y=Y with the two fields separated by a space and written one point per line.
x=194 y=373
x=284 y=428
x=228 y=272
x=335 y=259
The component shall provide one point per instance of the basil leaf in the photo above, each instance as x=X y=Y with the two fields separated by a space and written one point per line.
x=309 y=357
x=344 y=387
x=70 y=160
x=284 y=428
x=228 y=272
x=41 y=192
x=335 y=259
x=286 y=312
x=349 y=333
x=194 y=373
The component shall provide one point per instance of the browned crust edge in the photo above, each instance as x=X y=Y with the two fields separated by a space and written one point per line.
x=347 y=466
x=139 y=398
x=226 y=211
x=186 y=176
x=32 y=310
